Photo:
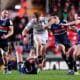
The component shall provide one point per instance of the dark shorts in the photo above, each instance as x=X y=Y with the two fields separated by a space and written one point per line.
x=78 y=37
x=63 y=39
x=4 y=44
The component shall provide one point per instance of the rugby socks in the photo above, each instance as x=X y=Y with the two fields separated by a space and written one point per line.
x=75 y=66
x=68 y=62
x=6 y=69
x=9 y=67
x=10 y=64
x=19 y=66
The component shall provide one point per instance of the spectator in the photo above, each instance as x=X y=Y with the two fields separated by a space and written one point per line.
x=72 y=12
x=65 y=13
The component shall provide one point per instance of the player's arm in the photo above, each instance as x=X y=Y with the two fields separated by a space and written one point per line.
x=24 y=32
x=52 y=21
x=73 y=28
x=69 y=23
x=72 y=23
x=27 y=28
x=77 y=21
x=11 y=29
x=10 y=32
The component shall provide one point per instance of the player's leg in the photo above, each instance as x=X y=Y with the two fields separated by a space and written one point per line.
x=66 y=58
x=19 y=56
x=37 y=44
x=40 y=51
x=4 y=51
x=76 y=55
x=72 y=58
x=5 y=60
x=77 y=51
x=31 y=62
x=44 y=39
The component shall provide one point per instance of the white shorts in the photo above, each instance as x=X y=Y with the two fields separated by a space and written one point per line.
x=42 y=36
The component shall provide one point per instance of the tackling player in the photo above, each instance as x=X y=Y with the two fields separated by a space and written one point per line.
x=40 y=36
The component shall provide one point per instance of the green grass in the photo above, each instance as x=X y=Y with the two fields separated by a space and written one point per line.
x=43 y=75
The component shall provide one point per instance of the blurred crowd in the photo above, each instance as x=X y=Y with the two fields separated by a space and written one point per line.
x=66 y=8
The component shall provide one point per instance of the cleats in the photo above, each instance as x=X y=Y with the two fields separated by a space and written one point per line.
x=71 y=72
x=6 y=71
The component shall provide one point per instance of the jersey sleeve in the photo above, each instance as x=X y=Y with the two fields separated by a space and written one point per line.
x=10 y=23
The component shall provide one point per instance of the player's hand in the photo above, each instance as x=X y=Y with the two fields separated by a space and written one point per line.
x=44 y=27
x=62 y=24
x=24 y=34
x=4 y=36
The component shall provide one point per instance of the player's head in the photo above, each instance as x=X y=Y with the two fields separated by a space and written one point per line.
x=54 y=15
x=36 y=15
x=4 y=14
x=77 y=15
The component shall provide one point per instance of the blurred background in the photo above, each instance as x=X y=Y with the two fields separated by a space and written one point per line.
x=21 y=11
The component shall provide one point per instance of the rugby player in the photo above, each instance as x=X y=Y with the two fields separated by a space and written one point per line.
x=6 y=30
x=40 y=36
x=61 y=38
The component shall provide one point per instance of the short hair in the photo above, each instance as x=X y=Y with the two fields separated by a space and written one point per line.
x=54 y=14
x=4 y=10
x=36 y=14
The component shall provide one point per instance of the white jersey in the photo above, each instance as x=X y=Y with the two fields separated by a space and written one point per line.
x=37 y=26
x=38 y=31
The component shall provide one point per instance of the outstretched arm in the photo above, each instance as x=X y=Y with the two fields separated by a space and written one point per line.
x=52 y=21
x=69 y=24
x=72 y=23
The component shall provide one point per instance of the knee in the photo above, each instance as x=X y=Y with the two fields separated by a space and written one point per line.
x=61 y=47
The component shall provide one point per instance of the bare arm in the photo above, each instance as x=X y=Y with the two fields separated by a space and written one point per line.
x=52 y=21
x=72 y=23
x=24 y=32
x=27 y=28
x=77 y=21
x=11 y=31
x=69 y=24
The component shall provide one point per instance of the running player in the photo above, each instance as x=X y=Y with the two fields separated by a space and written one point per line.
x=6 y=30
x=74 y=51
x=40 y=36
x=76 y=29
x=61 y=38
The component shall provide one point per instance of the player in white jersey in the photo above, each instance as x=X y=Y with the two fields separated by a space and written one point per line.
x=40 y=36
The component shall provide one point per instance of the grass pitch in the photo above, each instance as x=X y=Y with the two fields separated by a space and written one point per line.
x=43 y=75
